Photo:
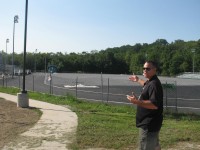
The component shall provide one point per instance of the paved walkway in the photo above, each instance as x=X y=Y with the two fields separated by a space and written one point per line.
x=55 y=129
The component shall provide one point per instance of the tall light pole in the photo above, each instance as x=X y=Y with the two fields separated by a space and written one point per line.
x=7 y=41
x=25 y=37
x=23 y=100
x=15 y=21
x=193 y=51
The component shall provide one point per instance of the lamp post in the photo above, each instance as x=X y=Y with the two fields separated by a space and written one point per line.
x=15 y=21
x=7 y=41
x=25 y=35
x=23 y=100
x=193 y=51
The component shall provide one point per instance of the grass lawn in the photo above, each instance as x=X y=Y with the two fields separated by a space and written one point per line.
x=102 y=125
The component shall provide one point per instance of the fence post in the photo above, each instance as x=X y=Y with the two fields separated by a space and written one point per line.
x=19 y=81
x=108 y=91
x=50 y=83
x=101 y=87
x=6 y=81
x=33 y=83
x=3 y=81
x=76 y=86
x=176 y=97
x=166 y=96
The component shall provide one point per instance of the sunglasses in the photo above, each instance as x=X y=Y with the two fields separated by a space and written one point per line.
x=147 y=69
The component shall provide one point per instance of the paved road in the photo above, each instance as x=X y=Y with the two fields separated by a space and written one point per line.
x=185 y=95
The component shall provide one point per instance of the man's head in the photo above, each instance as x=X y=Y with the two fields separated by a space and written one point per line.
x=149 y=69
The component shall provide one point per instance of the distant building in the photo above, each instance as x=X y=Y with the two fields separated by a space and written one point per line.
x=8 y=69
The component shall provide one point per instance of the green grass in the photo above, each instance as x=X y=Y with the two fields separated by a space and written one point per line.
x=103 y=125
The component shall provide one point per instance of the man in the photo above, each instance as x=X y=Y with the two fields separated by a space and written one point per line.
x=149 y=115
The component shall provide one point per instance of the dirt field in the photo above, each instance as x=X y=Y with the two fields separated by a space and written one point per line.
x=14 y=120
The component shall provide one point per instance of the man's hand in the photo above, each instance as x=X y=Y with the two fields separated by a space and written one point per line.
x=145 y=104
x=133 y=99
x=134 y=78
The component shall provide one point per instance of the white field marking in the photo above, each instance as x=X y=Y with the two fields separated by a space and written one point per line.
x=81 y=86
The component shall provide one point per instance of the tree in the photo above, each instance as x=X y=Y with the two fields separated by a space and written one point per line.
x=173 y=58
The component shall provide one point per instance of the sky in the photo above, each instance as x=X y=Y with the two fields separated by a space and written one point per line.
x=85 y=25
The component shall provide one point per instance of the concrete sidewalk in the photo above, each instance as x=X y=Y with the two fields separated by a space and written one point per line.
x=55 y=129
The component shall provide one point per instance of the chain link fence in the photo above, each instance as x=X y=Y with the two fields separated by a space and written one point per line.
x=180 y=95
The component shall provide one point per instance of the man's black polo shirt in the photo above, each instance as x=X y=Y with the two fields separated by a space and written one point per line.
x=151 y=119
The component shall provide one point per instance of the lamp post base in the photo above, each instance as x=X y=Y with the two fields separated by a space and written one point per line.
x=23 y=100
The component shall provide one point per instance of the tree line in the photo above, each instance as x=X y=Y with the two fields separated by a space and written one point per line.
x=172 y=58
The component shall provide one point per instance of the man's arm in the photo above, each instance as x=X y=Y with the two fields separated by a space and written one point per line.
x=145 y=104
